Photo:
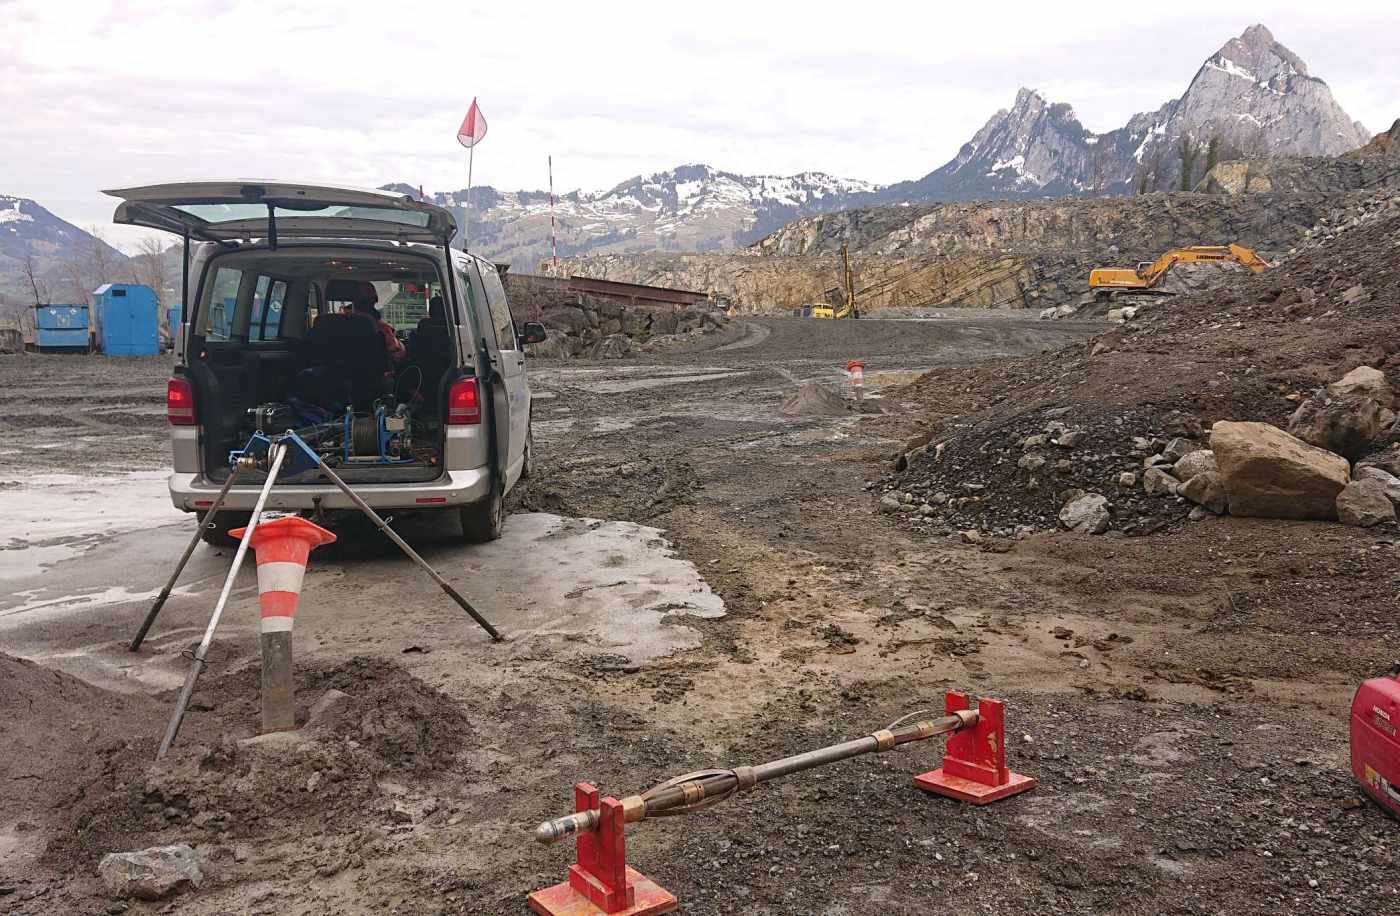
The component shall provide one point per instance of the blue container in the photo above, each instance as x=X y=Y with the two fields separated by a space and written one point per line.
x=60 y=328
x=128 y=319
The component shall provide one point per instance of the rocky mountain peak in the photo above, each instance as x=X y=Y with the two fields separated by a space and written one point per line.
x=1254 y=97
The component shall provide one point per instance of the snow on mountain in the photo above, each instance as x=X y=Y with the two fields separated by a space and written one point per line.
x=1254 y=96
x=56 y=248
x=689 y=208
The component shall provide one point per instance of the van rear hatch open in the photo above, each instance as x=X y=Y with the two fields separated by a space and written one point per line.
x=221 y=211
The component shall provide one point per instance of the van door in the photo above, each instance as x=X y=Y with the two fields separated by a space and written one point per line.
x=510 y=363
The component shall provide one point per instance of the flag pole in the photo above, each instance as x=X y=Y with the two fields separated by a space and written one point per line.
x=553 y=242
x=467 y=221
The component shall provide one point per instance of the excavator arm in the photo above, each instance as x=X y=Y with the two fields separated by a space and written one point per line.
x=1150 y=275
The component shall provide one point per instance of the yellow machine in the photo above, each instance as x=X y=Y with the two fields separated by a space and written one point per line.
x=848 y=308
x=1148 y=275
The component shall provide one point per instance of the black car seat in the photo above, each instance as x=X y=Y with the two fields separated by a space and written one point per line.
x=343 y=358
x=430 y=351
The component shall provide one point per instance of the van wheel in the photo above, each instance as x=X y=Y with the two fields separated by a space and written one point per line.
x=484 y=521
x=527 y=467
x=224 y=522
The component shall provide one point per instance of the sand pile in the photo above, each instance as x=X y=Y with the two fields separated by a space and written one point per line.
x=814 y=399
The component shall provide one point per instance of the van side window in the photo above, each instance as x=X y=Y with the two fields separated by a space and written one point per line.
x=500 y=308
x=269 y=296
x=221 y=302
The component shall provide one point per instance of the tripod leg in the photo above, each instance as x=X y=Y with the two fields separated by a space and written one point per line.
x=412 y=554
x=278 y=452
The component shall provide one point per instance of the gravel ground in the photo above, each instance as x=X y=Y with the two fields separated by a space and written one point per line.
x=1184 y=711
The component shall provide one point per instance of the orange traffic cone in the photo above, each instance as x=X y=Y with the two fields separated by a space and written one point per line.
x=282 y=547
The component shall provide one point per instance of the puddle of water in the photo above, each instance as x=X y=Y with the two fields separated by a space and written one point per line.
x=47 y=608
x=52 y=517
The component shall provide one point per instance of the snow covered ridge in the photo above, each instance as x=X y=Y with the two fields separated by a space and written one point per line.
x=11 y=210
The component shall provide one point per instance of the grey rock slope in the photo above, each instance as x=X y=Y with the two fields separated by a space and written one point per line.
x=1254 y=96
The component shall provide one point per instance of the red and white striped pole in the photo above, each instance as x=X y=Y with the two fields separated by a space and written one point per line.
x=282 y=547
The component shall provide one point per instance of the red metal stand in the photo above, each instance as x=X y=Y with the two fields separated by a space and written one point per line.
x=974 y=764
x=601 y=881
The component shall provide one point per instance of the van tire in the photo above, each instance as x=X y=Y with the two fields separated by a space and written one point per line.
x=527 y=465
x=484 y=521
x=224 y=522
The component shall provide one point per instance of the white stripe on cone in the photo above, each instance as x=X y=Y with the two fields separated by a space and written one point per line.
x=280 y=577
x=278 y=624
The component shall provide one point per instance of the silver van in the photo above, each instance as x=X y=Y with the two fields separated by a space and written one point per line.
x=345 y=315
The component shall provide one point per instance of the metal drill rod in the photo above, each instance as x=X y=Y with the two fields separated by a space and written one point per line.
x=412 y=554
x=694 y=791
x=277 y=453
x=189 y=551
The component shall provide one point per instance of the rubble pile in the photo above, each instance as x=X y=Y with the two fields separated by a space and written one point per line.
x=600 y=328
x=1267 y=396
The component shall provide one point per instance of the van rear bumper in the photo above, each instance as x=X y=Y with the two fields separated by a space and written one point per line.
x=193 y=493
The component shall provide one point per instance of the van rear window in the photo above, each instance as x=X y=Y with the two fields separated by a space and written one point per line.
x=235 y=213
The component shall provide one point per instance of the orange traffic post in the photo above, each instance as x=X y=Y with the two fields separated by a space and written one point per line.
x=282 y=548
x=974 y=763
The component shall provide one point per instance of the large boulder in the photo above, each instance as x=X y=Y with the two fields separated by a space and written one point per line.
x=614 y=346
x=663 y=322
x=1364 y=381
x=1206 y=489
x=1087 y=514
x=1364 y=503
x=1389 y=482
x=1269 y=474
x=565 y=318
x=1345 y=425
x=555 y=345
x=151 y=874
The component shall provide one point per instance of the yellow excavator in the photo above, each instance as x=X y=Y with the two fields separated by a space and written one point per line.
x=1148 y=276
x=848 y=308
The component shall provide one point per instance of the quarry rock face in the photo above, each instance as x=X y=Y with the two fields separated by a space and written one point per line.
x=1003 y=254
x=1269 y=474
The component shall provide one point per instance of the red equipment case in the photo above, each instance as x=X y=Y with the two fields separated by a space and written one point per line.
x=1375 y=747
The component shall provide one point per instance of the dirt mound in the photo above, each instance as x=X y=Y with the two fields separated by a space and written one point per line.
x=214 y=784
x=1246 y=349
x=814 y=399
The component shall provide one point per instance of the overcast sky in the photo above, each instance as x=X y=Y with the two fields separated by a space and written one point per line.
x=100 y=95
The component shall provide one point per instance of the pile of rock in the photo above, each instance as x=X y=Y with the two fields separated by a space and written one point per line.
x=600 y=328
x=1259 y=470
x=1127 y=474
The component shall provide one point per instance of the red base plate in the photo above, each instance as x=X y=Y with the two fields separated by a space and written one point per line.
x=563 y=900
x=969 y=791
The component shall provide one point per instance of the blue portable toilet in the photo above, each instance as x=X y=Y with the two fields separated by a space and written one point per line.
x=127 y=319
x=61 y=329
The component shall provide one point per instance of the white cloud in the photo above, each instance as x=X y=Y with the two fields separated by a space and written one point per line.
x=105 y=94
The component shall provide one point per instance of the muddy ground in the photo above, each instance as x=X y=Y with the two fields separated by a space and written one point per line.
x=1181 y=697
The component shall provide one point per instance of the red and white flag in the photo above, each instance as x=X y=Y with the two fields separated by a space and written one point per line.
x=473 y=127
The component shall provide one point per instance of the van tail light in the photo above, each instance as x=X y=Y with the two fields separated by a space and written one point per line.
x=464 y=403
x=179 y=402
